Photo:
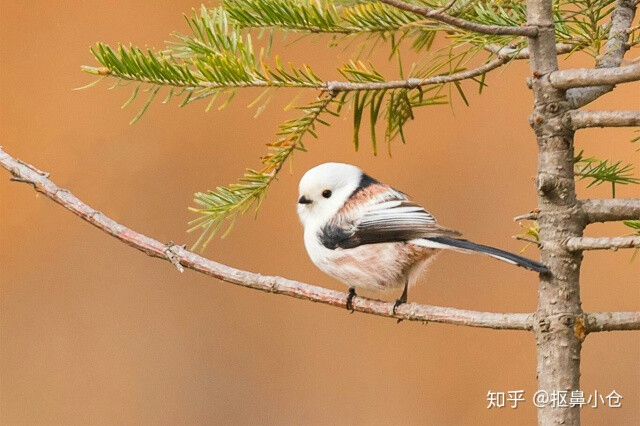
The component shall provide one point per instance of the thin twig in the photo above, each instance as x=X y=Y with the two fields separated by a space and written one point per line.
x=514 y=53
x=528 y=240
x=585 y=119
x=439 y=15
x=610 y=210
x=178 y=255
x=602 y=243
x=446 y=7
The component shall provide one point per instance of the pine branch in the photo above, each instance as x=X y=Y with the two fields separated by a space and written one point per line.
x=200 y=73
x=456 y=22
x=583 y=22
x=414 y=83
x=585 y=119
x=300 y=15
x=226 y=203
x=217 y=59
x=319 y=17
x=376 y=20
x=132 y=64
x=580 y=29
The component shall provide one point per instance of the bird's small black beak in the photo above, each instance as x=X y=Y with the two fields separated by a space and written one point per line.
x=304 y=200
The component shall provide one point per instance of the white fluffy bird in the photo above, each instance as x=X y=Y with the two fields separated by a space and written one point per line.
x=371 y=236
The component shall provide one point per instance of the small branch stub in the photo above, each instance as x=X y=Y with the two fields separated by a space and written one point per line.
x=615 y=48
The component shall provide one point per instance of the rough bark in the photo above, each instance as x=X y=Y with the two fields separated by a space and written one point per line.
x=617 y=45
x=611 y=321
x=586 y=119
x=614 y=209
x=584 y=77
x=602 y=243
x=559 y=310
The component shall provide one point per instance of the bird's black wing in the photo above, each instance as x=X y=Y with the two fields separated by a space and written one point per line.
x=388 y=221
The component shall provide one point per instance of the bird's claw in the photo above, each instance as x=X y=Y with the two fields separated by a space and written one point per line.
x=395 y=307
x=352 y=294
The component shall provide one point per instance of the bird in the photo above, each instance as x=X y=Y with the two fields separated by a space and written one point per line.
x=372 y=236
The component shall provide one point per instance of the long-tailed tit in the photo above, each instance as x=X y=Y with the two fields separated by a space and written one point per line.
x=371 y=236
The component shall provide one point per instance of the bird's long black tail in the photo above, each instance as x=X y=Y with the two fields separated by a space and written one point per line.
x=505 y=256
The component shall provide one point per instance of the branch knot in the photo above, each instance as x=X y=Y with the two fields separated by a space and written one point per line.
x=172 y=256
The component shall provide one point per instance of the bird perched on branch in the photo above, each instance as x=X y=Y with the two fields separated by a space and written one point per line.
x=371 y=236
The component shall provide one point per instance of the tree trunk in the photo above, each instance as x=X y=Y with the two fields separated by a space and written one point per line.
x=559 y=324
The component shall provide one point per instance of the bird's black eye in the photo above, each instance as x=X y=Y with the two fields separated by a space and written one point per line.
x=326 y=193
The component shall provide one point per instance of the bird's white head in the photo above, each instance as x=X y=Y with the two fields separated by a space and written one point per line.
x=324 y=189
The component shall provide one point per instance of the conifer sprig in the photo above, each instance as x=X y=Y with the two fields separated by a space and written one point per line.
x=601 y=171
x=225 y=204
x=320 y=16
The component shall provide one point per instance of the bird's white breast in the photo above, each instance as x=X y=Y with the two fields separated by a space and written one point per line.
x=380 y=267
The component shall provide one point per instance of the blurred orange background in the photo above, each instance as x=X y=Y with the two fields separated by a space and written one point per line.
x=94 y=332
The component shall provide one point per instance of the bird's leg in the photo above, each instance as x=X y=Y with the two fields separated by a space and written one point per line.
x=352 y=294
x=403 y=298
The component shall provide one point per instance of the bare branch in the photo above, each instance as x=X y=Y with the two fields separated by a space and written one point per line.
x=612 y=321
x=582 y=77
x=610 y=210
x=439 y=15
x=179 y=256
x=602 y=243
x=616 y=47
x=585 y=119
